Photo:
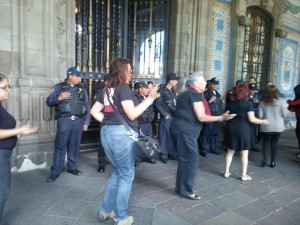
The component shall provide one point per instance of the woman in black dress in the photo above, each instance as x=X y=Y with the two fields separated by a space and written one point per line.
x=238 y=131
x=185 y=129
x=8 y=140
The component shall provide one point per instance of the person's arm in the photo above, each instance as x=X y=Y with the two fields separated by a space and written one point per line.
x=56 y=96
x=96 y=111
x=203 y=117
x=23 y=130
x=133 y=112
x=158 y=105
x=253 y=119
x=294 y=102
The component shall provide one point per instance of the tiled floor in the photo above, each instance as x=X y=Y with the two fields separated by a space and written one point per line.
x=272 y=197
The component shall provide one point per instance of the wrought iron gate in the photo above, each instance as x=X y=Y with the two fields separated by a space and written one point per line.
x=257 y=44
x=133 y=29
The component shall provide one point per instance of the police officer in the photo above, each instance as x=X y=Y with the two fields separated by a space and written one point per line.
x=72 y=112
x=210 y=130
x=166 y=106
x=148 y=115
x=254 y=98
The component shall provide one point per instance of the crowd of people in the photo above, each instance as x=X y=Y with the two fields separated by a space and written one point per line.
x=188 y=128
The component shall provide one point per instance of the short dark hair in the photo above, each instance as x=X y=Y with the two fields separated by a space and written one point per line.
x=252 y=78
x=269 y=93
x=240 y=92
x=2 y=77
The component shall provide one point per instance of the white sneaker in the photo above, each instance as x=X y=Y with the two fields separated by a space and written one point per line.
x=105 y=216
x=127 y=221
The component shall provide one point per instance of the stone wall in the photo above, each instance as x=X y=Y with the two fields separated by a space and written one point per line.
x=36 y=48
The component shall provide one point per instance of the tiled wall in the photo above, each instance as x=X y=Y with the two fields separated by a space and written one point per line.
x=218 y=61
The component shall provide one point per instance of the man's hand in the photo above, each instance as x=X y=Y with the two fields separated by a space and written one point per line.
x=63 y=95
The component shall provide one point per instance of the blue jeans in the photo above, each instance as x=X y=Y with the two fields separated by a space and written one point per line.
x=118 y=147
x=67 y=140
x=5 y=155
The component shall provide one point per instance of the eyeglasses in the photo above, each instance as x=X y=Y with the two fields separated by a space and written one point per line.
x=6 y=87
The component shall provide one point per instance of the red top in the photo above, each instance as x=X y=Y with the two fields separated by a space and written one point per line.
x=295 y=105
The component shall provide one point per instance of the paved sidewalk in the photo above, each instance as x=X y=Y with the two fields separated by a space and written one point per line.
x=272 y=197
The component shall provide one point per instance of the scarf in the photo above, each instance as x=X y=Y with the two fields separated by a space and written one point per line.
x=206 y=106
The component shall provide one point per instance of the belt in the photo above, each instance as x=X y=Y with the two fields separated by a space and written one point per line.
x=72 y=117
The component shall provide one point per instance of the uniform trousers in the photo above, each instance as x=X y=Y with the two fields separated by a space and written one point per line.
x=166 y=144
x=298 y=130
x=209 y=135
x=188 y=158
x=67 y=140
x=5 y=175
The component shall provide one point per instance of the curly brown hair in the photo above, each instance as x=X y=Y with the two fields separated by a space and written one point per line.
x=117 y=71
x=270 y=93
x=240 y=92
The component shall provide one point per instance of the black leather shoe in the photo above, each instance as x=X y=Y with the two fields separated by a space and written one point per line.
x=192 y=197
x=152 y=161
x=272 y=164
x=171 y=157
x=165 y=161
x=215 y=152
x=52 y=178
x=74 y=172
x=203 y=154
x=101 y=168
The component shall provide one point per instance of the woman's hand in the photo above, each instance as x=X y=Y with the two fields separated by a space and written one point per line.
x=26 y=129
x=265 y=122
x=226 y=116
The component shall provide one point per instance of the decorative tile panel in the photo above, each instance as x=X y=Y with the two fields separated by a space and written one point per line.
x=288 y=56
x=218 y=61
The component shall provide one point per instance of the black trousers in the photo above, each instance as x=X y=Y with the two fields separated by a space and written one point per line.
x=188 y=158
x=270 y=140
x=298 y=131
x=101 y=155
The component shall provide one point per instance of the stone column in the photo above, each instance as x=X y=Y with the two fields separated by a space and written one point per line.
x=188 y=36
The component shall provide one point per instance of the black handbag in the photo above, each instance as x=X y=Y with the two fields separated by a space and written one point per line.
x=146 y=147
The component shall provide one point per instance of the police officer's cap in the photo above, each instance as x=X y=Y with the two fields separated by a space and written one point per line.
x=142 y=84
x=73 y=71
x=252 y=86
x=241 y=81
x=172 y=76
x=214 y=81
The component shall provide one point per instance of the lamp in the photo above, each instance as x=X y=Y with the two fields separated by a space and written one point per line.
x=280 y=33
x=245 y=21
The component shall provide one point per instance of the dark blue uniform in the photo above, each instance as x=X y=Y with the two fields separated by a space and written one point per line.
x=71 y=114
x=166 y=105
x=146 y=118
x=209 y=133
x=255 y=127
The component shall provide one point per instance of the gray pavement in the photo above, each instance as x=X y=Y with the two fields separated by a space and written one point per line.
x=272 y=197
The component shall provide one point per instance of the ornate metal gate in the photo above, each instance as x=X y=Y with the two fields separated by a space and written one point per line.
x=257 y=45
x=133 y=29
